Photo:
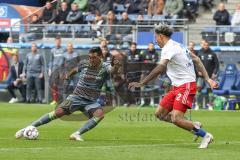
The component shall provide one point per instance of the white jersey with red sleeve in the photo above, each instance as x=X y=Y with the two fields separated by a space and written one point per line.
x=180 y=68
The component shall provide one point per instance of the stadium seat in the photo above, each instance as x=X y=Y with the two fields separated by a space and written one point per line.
x=82 y=31
x=63 y=31
x=89 y=18
x=236 y=90
x=50 y=31
x=133 y=17
x=120 y=8
x=209 y=34
x=229 y=80
x=158 y=17
x=190 y=10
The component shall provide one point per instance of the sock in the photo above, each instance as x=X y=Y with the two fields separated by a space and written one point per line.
x=142 y=101
x=44 y=119
x=55 y=94
x=199 y=132
x=91 y=123
x=151 y=101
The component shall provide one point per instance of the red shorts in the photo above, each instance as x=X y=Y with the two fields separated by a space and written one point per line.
x=180 y=98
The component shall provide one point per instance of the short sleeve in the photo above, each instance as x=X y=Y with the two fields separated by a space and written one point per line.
x=167 y=54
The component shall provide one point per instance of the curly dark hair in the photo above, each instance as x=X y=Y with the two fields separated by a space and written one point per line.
x=163 y=29
x=97 y=50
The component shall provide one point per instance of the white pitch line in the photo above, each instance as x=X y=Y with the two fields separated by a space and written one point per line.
x=113 y=146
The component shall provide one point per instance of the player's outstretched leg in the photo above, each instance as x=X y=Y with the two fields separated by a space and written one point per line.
x=59 y=112
x=164 y=115
x=96 y=116
x=179 y=120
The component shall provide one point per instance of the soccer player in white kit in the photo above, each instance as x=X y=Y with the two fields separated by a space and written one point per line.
x=178 y=63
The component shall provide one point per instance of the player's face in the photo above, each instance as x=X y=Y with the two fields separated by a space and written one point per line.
x=94 y=59
x=15 y=59
x=58 y=42
x=159 y=39
x=34 y=48
x=151 y=46
x=70 y=47
x=191 y=46
x=133 y=47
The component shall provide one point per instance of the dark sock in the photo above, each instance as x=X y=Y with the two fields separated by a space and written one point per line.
x=44 y=119
x=91 y=123
x=199 y=132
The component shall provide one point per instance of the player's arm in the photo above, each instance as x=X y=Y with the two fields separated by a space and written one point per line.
x=159 y=70
x=115 y=65
x=71 y=73
x=200 y=67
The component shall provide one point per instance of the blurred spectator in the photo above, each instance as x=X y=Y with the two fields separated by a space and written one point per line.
x=133 y=54
x=48 y=14
x=155 y=7
x=110 y=30
x=236 y=16
x=91 y=5
x=211 y=63
x=17 y=80
x=106 y=54
x=34 y=70
x=96 y=25
x=172 y=9
x=103 y=43
x=221 y=16
x=70 y=58
x=207 y=4
x=82 y=4
x=59 y=3
x=57 y=59
x=124 y=31
x=34 y=31
x=62 y=13
x=103 y=6
x=132 y=57
x=150 y=55
x=190 y=10
x=9 y=51
x=136 y=6
x=70 y=53
x=75 y=16
x=191 y=46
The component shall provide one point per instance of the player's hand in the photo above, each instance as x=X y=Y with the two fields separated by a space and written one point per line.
x=66 y=77
x=133 y=85
x=213 y=84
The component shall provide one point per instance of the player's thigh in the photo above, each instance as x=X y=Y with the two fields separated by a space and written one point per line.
x=70 y=104
x=166 y=104
x=183 y=102
x=95 y=109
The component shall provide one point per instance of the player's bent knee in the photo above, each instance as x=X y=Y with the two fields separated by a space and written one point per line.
x=98 y=113
x=175 y=119
x=59 y=112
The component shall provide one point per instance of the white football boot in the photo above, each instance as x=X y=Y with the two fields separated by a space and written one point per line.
x=207 y=139
x=76 y=136
x=19 y=133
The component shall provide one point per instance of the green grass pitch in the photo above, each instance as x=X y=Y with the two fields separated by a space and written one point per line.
x=124 y=134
